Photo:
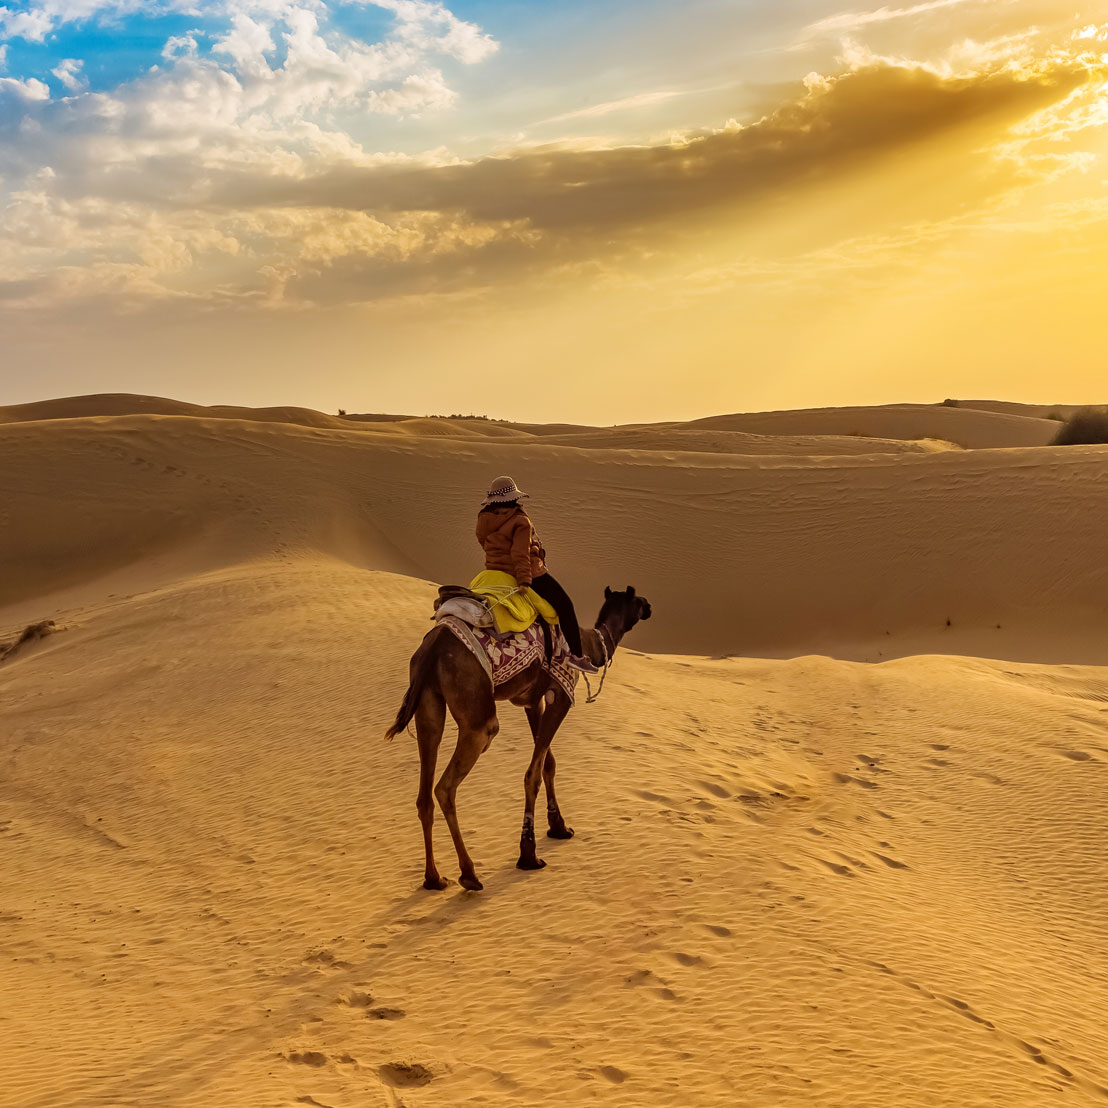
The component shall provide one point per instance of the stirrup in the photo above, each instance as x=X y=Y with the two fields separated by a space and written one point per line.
x=583 y=664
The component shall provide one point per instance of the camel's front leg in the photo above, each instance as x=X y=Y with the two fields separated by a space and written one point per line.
x=555 y=824
x=552 y=717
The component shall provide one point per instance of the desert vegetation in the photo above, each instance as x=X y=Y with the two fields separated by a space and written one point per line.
x=1088 y=426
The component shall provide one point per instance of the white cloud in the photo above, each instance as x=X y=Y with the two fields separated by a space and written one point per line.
x=69 y=73
x=627 y=103
x=29 y=90
x=105 y=190
x=851 y=21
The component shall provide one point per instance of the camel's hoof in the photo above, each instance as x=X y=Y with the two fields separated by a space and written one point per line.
x=435 y=884
x=562 y=832
x=470 y=883
x=530 y=863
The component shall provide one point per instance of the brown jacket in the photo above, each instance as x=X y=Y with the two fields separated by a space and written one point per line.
x=510 y=544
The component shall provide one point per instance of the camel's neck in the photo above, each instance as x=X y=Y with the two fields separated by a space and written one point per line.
x=601 y=640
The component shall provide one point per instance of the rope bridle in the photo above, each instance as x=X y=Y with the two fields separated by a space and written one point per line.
x=592 y=697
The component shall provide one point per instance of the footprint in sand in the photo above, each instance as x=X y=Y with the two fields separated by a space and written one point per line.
x=313 y=1058
x=714 y=789
x=846 y=779
x=324 y=958
x=687 y=959
x=356 y=999
x=385 y=1014
x=892 y=863
x=613 y=1074
x=404 y=1075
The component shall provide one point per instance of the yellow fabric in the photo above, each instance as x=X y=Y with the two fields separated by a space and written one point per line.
x=516 y=612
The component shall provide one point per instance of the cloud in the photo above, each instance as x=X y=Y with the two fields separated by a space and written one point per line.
x=836 y=126
x=628 y=103
x=203 y=184
x=69 y=73
x=852 y=21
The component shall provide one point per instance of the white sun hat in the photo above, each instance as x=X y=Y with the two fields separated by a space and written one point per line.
x=503 y=491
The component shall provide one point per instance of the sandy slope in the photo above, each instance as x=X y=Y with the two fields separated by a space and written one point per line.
x=962 y=426
x=795 y=882
x=864 y=556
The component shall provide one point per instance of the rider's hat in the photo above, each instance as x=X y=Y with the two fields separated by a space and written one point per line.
x=503 y=491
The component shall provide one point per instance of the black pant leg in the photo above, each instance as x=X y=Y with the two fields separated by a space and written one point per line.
x=549 y=589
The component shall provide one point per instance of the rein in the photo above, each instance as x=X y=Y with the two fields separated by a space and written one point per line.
x=592 y=697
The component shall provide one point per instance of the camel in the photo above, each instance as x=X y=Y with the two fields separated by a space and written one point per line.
x=444 y=674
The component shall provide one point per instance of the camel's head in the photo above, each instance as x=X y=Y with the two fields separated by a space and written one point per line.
x=625 y=608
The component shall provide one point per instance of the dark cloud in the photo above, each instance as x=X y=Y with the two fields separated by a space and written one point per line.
x=836 y=127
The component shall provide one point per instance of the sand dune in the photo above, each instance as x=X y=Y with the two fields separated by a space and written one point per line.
x=796 y=881
x=864 y=557
x=963 y=426
x=738 y=442
x=882 y=429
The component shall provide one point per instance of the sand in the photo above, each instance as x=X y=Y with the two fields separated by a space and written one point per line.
x=799 y=877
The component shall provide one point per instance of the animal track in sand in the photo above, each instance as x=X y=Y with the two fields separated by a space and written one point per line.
x=1036 y=1054
x=404 y=1075
x=356 y=999
x=385 y=1014
x=314 y=1058
x=846 y=779
x=687 y=959
x=324 y=958
x=643 y=977
x=892 y=863
x=714 y=789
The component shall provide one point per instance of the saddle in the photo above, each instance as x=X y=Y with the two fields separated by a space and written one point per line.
x=490 y=600
x=463 y=604
x=477 y=610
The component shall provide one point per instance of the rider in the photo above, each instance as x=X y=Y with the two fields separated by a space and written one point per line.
x=511 y=545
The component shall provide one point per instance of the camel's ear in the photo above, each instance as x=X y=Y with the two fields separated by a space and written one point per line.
x=630 y=592
x=607 y=592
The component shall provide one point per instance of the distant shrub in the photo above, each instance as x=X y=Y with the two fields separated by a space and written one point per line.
x=342 y=411
x=1086 y=427
x=948 y=403
x=458 y=415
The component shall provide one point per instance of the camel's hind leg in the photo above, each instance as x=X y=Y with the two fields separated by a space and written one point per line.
x=429 y=719
x=472 y=742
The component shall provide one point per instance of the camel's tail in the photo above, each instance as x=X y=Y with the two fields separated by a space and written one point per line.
x=420 y=664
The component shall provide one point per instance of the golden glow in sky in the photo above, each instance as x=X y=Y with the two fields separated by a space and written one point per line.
x=539 y=212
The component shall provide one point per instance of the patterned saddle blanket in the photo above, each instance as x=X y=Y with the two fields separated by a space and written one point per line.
x=503 y=656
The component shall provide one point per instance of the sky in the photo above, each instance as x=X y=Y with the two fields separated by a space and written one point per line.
x=596 y=212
